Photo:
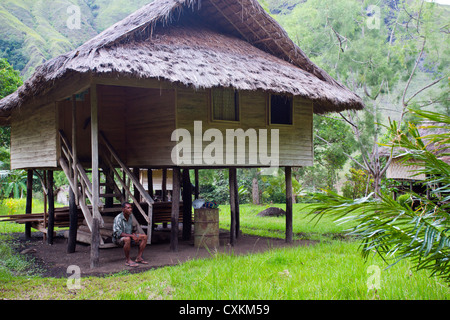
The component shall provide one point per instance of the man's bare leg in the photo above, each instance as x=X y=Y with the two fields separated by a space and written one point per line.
x=142 y=244
x=126 y=250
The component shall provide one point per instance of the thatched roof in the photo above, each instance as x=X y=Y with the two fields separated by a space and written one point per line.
x=197 y=43
x=425 y=129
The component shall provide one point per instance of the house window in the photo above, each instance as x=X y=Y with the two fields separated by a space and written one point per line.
x=225 y=104
x=281 y=107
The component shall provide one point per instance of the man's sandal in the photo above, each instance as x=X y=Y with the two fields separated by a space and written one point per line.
x=142 y=261
x=132 y=264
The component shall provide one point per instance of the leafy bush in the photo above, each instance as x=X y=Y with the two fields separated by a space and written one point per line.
x=356 y=184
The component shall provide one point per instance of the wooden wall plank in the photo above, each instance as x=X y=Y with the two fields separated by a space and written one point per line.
x=296 y=141
x=150 y=121
x=33 y=138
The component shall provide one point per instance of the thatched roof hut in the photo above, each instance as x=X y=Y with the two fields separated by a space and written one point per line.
x=401 y=170
x=180 y=41
x=173 y=70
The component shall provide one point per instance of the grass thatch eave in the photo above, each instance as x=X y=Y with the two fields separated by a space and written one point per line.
x=233 y=43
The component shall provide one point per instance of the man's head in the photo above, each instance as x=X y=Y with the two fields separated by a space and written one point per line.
x=127 y=208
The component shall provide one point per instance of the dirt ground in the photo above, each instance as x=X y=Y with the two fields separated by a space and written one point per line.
x=53 y=260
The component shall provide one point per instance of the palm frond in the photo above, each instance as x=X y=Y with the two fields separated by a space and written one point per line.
x=417 y=230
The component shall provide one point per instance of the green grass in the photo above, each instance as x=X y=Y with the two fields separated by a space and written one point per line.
x=328 y=270
x=304 y=225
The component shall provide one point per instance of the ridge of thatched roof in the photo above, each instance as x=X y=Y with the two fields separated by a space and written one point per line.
x=426 y=129
x=220 y=43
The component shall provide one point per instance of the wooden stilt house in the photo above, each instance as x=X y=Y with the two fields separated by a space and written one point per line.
x=409 y=172
x=132 y=97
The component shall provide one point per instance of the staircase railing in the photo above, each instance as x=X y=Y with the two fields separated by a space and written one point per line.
x=82 y=186
x=85 y=192
x=106 y=157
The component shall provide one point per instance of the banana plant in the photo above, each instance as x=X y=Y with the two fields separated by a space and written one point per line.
x=13 y=183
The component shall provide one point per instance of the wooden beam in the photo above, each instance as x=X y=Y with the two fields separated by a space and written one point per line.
x=289 y=229
x=94 y=152
x=74 y=146
x=109 y=188
x=65 y=87
x=95 y=244
x=51 y=207
x=28 y=208
x=187 y=205
x=73 y=222
x=232 y=183
x=95 y=240
x=150 y=183
x=136 y=193
x=236 y=199
x=175 y=209
x=45 y=190
x=197 y=187
x=164 y=185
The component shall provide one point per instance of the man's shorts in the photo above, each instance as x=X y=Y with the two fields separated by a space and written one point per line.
x=120 y=242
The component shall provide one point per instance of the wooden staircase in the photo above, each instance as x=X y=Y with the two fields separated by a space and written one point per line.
x=82 y=186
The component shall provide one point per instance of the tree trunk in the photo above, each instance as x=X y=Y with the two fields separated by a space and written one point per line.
x=255 y=191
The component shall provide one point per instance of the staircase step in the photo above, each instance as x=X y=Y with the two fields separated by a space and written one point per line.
x=110 y=195
x=104 y=210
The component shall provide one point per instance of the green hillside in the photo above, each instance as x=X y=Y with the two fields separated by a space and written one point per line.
x=34 y=31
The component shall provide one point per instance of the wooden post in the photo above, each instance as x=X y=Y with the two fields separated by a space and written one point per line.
x=94 y=143
x=232 y=183
x=51 y=207
x=236 y=199
x=28 y=208
x=73 y=194
x=44 y=173
x=164 y=185
x=288 y=178
x=95 y=243
x=136 y=193
x=150 y=182
x=124 y=192
x=95 y=239
x=74 y=147
x=196 y=187
x=73 y=222
x=187 y=205
x=175 y=209
x=109 y=188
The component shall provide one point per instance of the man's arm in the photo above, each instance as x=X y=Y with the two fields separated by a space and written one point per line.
x=118 y=230
x=132 y=236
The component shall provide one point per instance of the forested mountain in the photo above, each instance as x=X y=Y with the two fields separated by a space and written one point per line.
x=33 y=31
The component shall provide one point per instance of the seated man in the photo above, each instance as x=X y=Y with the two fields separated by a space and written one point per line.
x=124 y=235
